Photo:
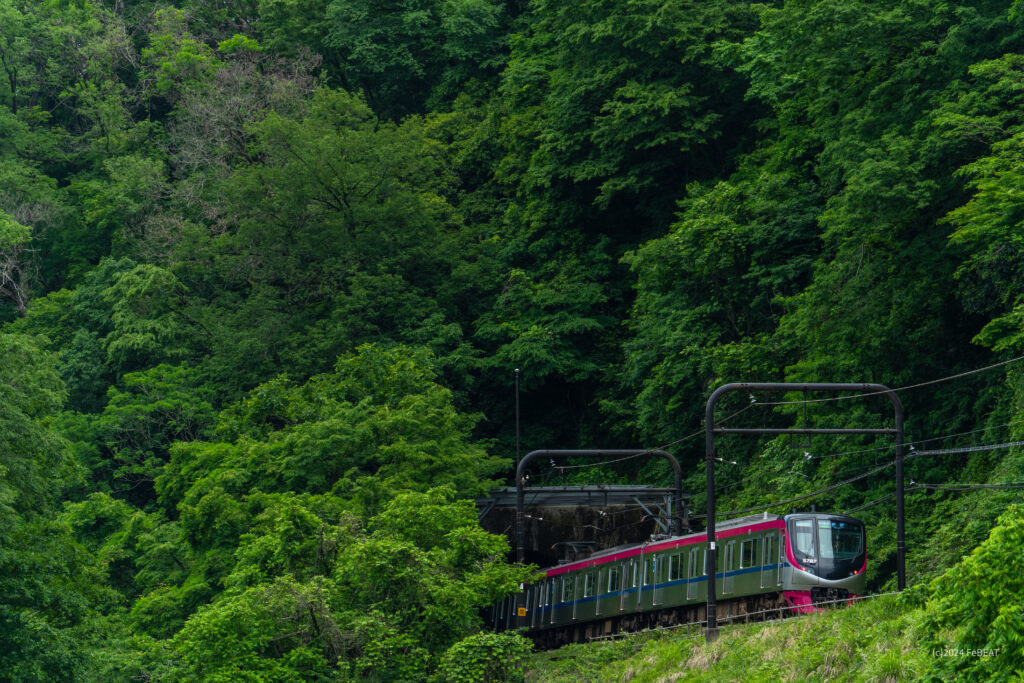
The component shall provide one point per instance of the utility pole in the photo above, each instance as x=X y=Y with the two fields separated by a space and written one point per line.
x=517 y=418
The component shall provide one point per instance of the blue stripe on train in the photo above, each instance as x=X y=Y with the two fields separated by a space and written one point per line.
x=678 y=582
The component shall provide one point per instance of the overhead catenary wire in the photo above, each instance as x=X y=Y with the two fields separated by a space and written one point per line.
x=754 y=402
x=985 y=447
x=966 y=487
x=916 y=442
x=914 y=453
x=967 y=449
x=833 y=487
x=944 y=451
x=968 y=433
x=908 y=387
x=746 y=480
x=648 y=451
x=918 y=486
x=869 y=504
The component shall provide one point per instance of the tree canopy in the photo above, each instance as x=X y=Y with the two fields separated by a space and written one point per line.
x=267 y=270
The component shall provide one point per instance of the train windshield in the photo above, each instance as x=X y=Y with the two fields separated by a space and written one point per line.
x=830 y=547
x=840 y=540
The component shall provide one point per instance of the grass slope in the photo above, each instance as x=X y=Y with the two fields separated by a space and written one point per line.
x=870 y=641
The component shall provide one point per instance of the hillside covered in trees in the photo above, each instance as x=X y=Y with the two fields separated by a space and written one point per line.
x=267 y=267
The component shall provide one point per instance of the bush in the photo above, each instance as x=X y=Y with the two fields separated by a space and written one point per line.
x=484 y=658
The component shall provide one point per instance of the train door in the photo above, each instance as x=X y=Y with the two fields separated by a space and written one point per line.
x=575 y=596
x=624 y=582
x=728 y=566
x=781 y=542
x=568 y=597
x=589 y=605
x=769 y=561
x=553 y=598
x=639 y=568
x=694 y=572
x=657 y=562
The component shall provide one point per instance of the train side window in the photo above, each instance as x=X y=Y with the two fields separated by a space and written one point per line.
x=588 y=584
x=651 y=573
x=613 y=579
x=803 y=539
x=568 y=585
x=748 y=553
x=699 y=562
x=675 y=566
x=768 y=550
x=636 y=571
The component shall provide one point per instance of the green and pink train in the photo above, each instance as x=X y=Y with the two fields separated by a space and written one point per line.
x=790 y=563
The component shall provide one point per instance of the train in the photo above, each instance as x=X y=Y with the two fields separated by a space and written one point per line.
x=790 y=564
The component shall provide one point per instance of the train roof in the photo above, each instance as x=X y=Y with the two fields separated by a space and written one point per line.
x=724 y=525
x=744 y=521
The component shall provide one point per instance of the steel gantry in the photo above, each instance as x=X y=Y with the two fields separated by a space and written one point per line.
x=677 y=522
x=711 y=431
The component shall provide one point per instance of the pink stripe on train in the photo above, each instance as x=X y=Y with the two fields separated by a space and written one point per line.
x=667 y=545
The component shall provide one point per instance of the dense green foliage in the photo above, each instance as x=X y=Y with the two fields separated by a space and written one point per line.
x=266 y=269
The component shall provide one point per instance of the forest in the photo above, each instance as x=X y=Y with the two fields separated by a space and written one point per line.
x=267 y=268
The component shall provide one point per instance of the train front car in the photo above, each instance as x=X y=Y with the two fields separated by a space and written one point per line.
x=826 y=560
